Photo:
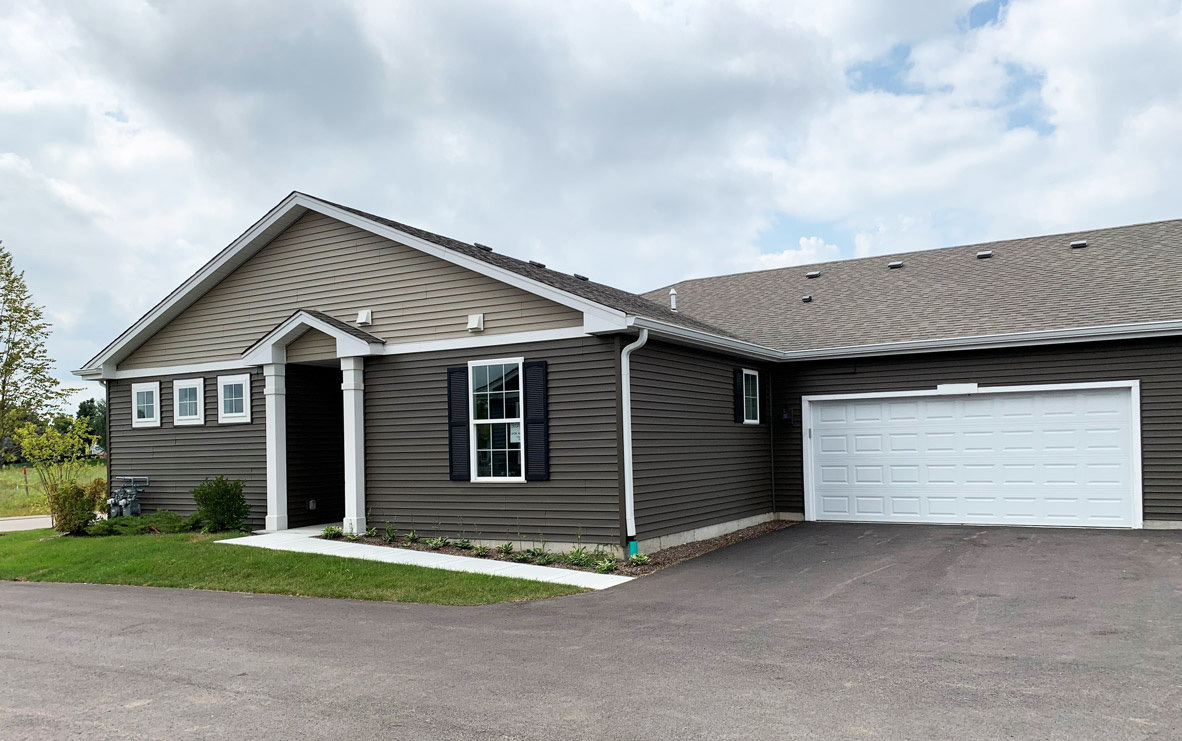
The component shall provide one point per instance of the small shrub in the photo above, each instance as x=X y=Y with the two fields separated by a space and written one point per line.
x=73 y=505
x=162 y=522
x=332 y=532
x=480 y=551
x=389 y=535
x=639 y=559
x=544 y=559
x=351 y=537
x=221 y=505
x=412 y=537
x=371 y=532
x=537 y=551
x=605 y=565
x=437 y=542
x=464 y=544
x=522 y=557
x=579 y=557
x=505 y=549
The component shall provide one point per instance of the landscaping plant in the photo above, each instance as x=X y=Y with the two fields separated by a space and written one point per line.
x=59 y=456
x=332 y=532
x=579 y=557
x=605 y=564
x=221 y=505
x=463 y=544
x=437 y=542
x=73 y=506
x=389 y=534
x=371 y=532
x=162 y=522
x=480 y=551
x=639 y=559
x=411 y=537
x=505 y=549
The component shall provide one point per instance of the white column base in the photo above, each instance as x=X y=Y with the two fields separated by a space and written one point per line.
x=354 y=525
x=275 y=522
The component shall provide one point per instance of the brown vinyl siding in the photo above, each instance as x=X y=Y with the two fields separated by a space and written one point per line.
x=693 y=465
x=407 y=455
x=321 y=263
x=1156 y=363
x=179 y=458
x=312 y=346
x=315 y=445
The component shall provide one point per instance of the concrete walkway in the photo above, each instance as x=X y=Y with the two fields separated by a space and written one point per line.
x=304 y=540
x=17 y=524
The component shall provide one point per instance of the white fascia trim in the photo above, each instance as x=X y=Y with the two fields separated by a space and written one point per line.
x=272 y=348
x=179 y=370
x=704 y=339
x=492 y=340
x=1134 y=387
x=276 y=220
x=1137 y=330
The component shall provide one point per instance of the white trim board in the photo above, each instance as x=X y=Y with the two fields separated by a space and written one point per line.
x=961 y=389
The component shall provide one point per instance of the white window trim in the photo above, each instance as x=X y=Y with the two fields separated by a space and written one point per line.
x=758 y=405
x=520 y=419
x=136 y=388
x=188 y=383
x=223 y=417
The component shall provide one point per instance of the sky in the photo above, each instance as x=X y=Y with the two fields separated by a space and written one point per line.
x=639 y=143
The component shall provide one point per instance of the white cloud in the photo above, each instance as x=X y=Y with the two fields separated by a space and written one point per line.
x=637 y=142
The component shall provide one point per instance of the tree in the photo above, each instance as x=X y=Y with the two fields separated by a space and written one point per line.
x=27 y=385
x=95 y=413
x=59 y=457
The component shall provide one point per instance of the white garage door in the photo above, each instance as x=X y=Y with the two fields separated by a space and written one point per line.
x=1063 y=457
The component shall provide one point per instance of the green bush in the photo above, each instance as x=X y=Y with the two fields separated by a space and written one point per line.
x=480 y=551
x=437 y=543
x=578 y=557
x=73 y=506
x=163 y=522
x=639 y=559
x=390 y=535
x=221 y=505
x=464 y=544
x=332 y=532
x=605 y=564
x=545 y=559
x=412 y=537
x=505 y=549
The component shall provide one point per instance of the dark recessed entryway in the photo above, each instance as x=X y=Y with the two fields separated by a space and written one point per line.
x=315 y=445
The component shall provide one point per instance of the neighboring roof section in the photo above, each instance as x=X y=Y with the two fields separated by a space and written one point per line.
x=1125 y=275
x=629 y=303
x=357 y=332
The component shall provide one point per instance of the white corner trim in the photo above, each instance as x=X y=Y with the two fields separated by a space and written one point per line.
x=154 y=388
x=1134 y=387
x=188 y=383
x=242 y=417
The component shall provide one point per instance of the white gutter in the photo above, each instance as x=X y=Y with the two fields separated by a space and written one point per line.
x=705 y=339
x=626 y=399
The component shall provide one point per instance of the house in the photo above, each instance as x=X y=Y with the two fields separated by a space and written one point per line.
x=351 y=368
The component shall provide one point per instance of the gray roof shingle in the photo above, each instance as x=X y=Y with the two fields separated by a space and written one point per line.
x=1126 y=274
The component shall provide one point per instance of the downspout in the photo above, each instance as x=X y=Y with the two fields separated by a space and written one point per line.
x=626 y=393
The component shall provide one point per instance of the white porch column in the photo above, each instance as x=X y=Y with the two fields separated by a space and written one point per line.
x=353 y=386
x=275 y=391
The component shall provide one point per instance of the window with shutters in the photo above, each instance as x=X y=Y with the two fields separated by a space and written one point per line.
x=496 y=420
x=750 y=397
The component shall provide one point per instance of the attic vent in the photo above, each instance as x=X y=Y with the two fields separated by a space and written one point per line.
x=807 y=299
x=537 y=264
x=895 y=265
x=580 y=277
x=984 y=254
x=1079 y=244
x=813 y=274
x=480 y=246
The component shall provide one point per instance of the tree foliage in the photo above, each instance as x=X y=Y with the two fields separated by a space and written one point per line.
x=27 y=386
x=94 y=412
x=58 y=457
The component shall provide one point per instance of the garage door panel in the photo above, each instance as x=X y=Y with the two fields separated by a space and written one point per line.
x=1036 y=458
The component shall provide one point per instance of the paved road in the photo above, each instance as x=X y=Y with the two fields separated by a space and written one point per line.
x=818 y=631
x=31 y=522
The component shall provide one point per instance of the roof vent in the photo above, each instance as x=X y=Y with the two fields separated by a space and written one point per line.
x=807 y=299
x=895 y=265
x=480 y=246
x=537 y=264
x=673 y=299
x=1079 y=244
x=984 y=254
x=813 y=274
x=580 y=277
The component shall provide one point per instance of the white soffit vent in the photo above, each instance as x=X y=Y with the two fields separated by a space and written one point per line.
x=476 y=322
x=1079 y=244
x=895 y=265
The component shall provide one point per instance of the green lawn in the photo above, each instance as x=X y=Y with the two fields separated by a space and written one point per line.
x=194 y=561
x=15 y=500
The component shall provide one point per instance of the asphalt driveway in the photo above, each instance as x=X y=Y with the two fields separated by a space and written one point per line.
x=817 y=631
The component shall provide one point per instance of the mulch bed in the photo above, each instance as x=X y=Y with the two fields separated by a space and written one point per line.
x=659 y=559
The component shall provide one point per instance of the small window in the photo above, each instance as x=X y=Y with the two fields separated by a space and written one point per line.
x=145 y=404
x=234 y=399
x=188 y=402
x=495 y=393
x=750 y=397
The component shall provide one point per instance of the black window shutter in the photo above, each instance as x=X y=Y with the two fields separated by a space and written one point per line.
x=458 y=440
x=537 y=423
x=739 y=406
